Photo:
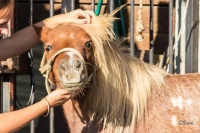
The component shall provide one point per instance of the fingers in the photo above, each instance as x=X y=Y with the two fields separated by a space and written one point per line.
x=63 y=93
x=77 y=16
x=91 y=13
x=58 y=97
x=85 y=16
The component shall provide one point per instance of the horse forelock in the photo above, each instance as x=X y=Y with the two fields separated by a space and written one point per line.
x=124 y=82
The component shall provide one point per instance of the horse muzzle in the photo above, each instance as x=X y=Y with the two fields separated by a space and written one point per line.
x=71 y=69
x=72 y=72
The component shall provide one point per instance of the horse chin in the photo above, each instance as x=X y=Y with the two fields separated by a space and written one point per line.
x=72 y=88
x=77 y=88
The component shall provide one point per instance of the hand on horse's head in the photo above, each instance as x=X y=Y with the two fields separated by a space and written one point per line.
x=58 y=97
x=77 y=16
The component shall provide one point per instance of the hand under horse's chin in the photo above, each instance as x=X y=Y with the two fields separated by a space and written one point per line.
x=76 y=88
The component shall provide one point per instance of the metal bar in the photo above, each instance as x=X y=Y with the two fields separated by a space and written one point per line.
x=8 y=93
x=64 y=6
x=51 y=2
x=112 y=5
x=122 y=20
x=93 y=5
x=151 y=50
x=199 y=42
x=132 y=43
x=182 y=44
x=51 y=120
x=73 y=5
x=30 y=12
x=12 y=89
x=171 y=55
x=192 y=37
x=194 y=29
x=67 y=5
x=32 y=124
x=189 y=45
x=51 y=116
x=177 y=47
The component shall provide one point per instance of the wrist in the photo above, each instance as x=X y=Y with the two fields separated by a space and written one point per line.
x=48 y=106
x=46 y=23
x=50 y=23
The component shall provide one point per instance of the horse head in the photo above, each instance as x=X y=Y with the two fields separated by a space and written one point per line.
x=68 y=57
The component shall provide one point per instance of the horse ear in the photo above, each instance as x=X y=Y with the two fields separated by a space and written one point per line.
x=41 y=31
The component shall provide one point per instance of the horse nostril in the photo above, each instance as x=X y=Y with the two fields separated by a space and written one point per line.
x=78 y=64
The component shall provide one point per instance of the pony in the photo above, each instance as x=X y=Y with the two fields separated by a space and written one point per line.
x=111 y=91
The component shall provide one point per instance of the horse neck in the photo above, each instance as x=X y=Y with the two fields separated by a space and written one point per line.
x=77 y=118
x=74 y=104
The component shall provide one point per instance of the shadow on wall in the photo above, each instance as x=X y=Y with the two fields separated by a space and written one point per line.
x=163 y=26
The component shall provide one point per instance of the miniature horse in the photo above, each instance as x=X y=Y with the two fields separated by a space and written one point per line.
x=112 y=92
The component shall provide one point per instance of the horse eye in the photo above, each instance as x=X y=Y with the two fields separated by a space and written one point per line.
x=88 y=44
x=48 y=48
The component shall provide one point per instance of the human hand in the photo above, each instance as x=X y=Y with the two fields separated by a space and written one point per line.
x=77 y=16
x=58 y=97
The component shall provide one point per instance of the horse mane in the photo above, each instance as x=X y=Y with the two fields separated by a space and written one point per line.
x=124 y=82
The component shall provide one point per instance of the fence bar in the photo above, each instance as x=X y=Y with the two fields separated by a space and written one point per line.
x=132 y=43
x=64 y=6
x=199 y=43
x=93 y=5
x=51 y=116
x=112 y=7
x=51 y=2
x=8 y=93
x=32 y=124
x=69 y=5
x=30 y=12
x=151 y=50
x=171 y=55
x=192 y=21
x=72 y=5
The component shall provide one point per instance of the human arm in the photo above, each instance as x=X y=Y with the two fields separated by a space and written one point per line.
x=19 y=42
x=13 y=121
x=27 y=38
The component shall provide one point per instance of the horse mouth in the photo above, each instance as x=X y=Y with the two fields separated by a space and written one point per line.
x=74 y=88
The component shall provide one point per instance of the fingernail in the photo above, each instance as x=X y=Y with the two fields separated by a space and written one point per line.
x=85 y=22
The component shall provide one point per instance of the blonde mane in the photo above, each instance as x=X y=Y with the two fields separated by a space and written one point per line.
x=124 y=82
